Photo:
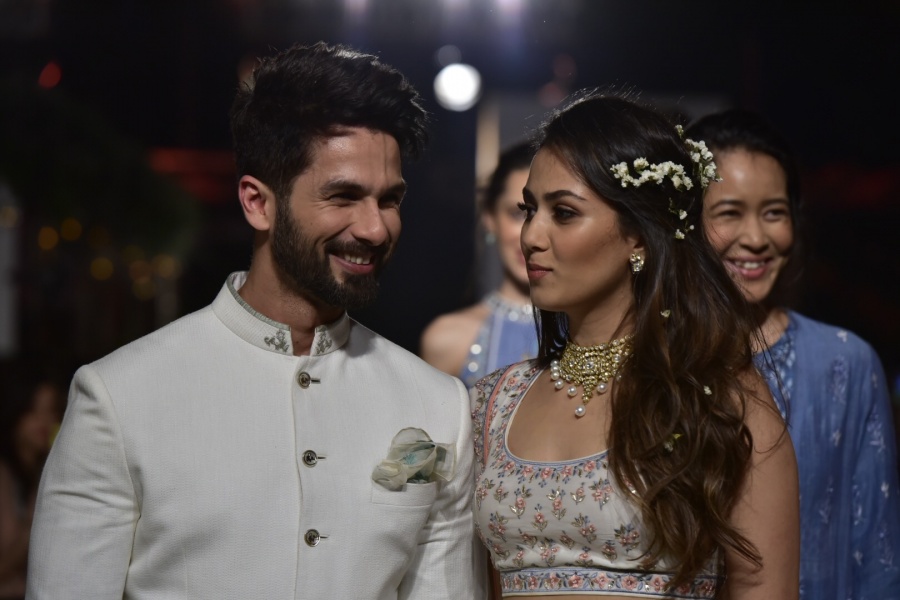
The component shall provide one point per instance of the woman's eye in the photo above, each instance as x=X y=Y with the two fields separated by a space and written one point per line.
x=562 y=213
x=526 y=211
x=777 y=214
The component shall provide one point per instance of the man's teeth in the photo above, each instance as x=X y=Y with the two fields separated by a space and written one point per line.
x=357 y=259
x=749 y=265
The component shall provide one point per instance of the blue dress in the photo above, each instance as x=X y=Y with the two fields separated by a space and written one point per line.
x=840 y=421
x=507 y=336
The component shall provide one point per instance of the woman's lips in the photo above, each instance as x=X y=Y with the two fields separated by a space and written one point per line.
x=536 y=272
x=749 y=268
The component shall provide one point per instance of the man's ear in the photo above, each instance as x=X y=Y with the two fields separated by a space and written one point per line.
x=258 y=202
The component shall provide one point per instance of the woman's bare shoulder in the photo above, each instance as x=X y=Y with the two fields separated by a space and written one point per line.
x=446 y=340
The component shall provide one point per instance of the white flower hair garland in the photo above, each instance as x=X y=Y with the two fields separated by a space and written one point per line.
x=704 y=170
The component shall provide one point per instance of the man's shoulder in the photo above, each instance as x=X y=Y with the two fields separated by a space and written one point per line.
x=182 y=336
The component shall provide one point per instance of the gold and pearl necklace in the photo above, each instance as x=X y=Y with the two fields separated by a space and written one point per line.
x=590 y=367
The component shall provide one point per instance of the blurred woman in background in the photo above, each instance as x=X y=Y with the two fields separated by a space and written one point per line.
x=499 y=330
x=29 y=418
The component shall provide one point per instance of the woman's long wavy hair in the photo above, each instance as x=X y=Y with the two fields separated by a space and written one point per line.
x=686 y=494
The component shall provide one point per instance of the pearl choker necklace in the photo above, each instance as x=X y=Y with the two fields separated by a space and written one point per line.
x=591 y=367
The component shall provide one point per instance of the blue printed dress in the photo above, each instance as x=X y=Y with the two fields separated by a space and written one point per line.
x=831 y=387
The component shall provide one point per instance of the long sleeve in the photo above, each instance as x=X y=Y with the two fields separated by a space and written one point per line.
x=875 y=494
x=87 y=507
x=445 y=565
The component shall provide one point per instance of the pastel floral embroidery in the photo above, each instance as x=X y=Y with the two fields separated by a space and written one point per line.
x=497 y=526
x=578 y=495
x=540 y=521
x=500 y=494
x=540 y=531
x=558 y=511
x=584 y=559
x=518 y=507
x=602 y=491
x=628 y=537
x=586 y=528
x=609 y=549
x=548 y=554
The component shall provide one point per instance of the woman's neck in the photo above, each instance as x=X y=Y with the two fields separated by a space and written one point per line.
x=772 y=324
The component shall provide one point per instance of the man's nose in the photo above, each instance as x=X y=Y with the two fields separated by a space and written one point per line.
x=369 y=224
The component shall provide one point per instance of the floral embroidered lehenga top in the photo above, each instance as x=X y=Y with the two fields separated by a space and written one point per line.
x=559 y=527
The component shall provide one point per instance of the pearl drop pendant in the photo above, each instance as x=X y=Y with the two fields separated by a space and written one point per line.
x=579 y=412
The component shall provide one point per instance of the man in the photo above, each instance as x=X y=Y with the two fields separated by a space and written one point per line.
x=231 y=453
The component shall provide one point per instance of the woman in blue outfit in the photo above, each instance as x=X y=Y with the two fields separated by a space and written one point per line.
x=640 y=455
x=498 y=330
x=828 y=382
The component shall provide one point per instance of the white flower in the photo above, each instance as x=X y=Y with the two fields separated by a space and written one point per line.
x=707 y=391
x=682 y=215
x=679 y=235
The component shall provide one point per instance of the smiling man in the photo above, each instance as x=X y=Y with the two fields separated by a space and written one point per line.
x=251 y=449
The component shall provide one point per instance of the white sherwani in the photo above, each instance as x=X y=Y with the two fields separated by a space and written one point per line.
x=207 y=461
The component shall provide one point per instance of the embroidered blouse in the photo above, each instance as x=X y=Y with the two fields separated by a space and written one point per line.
x=559 y=527
x=507 y=336
x=831 y=387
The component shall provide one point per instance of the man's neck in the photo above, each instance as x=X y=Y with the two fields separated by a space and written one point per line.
x=267 y=295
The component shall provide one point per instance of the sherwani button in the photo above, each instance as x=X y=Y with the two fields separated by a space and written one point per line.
x=310 y=458
x=304 y=379
x=312 y=537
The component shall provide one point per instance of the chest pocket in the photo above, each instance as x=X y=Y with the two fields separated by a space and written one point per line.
x=412 y=494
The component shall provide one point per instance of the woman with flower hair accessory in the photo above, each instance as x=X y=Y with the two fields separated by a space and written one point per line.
x=827 y=381
x=640 y=454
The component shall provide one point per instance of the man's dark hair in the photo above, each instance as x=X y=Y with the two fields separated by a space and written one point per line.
x=305 y=93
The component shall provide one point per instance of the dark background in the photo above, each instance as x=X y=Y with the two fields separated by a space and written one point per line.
x=133 y=141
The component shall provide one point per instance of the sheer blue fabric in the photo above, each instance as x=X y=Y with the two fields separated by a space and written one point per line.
x=507 y=336
x=831 y=387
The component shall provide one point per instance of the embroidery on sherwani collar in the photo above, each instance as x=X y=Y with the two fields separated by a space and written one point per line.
x=278 y=341
x=323 y=340
x=271 y=335
x=249 y=323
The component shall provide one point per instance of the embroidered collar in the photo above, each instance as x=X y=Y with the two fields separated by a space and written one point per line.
x=265 y=333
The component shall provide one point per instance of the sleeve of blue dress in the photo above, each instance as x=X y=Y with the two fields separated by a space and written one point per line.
x=876 y=497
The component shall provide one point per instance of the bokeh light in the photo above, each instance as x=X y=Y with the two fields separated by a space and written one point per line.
x=48 y=238
x=102 y=268
x=457 y=87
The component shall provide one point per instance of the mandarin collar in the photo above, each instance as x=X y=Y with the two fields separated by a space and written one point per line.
x=263 y=332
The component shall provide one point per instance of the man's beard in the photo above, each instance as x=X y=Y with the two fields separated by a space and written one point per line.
x=309 y=273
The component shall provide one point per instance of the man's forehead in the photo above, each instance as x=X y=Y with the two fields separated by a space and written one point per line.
x=355 y=155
